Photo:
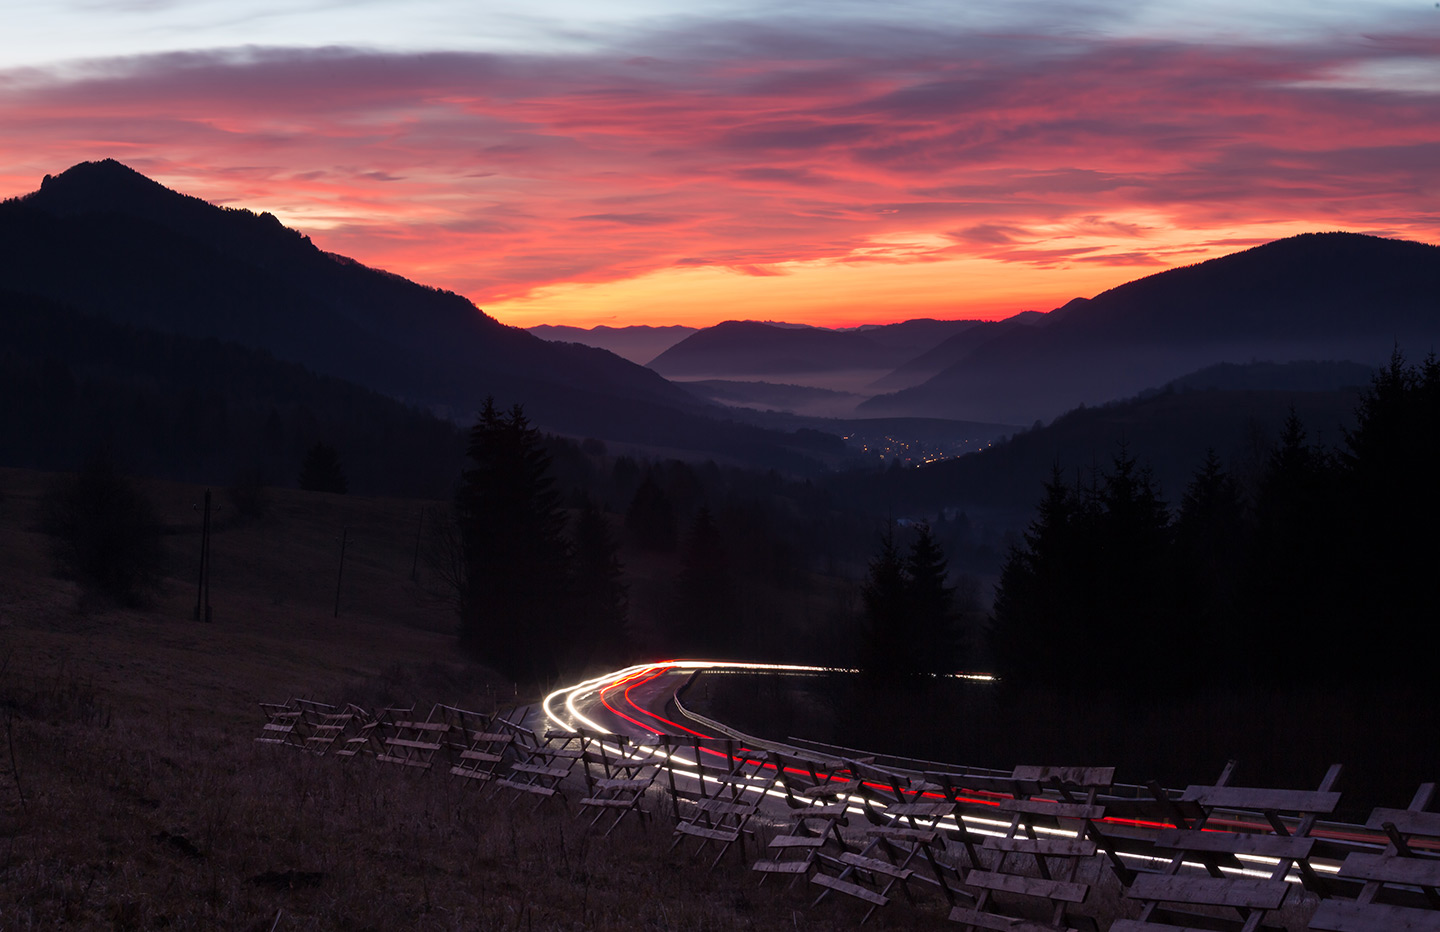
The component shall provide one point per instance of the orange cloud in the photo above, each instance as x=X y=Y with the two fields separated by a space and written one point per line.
x=848 y=179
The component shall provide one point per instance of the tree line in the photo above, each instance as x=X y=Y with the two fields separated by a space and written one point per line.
x=195 y=410
x=1322 y=571
x=724 y=562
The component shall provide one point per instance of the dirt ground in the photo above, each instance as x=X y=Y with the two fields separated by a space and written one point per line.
x=133 y=796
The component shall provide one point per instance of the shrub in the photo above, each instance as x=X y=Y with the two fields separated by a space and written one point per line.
x=322 y=472
x=105 y=531
x=249 y=492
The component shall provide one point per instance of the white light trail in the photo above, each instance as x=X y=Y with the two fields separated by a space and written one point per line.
x=854 y=804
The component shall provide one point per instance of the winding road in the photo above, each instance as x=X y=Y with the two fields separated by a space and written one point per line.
x=638 y=702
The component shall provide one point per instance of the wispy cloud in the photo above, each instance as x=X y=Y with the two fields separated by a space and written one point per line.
x=761 y=147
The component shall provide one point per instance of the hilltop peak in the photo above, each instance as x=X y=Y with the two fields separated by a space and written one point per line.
x=105 y=169
x=104 y=240
x=106 y=185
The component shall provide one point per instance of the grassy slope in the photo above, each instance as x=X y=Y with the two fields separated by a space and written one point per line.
x=146 y=803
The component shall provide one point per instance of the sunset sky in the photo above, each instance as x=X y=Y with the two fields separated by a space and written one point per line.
x=833 y=163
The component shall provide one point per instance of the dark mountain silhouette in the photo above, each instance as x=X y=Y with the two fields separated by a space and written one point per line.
x=955 y=349
x=198 y=410
x=1304 y=376
x=748 y=348
x=1236 y=410
x=772 y=396
x=1318 y=295
x=639 y=344
x=912 y=337
x=105 y=240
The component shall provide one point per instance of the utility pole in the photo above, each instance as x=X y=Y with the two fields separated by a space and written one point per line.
x=344 y=539
x=202 y=595
x=415 y=563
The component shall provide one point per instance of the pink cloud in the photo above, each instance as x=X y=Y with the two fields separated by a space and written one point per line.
x=496 y=175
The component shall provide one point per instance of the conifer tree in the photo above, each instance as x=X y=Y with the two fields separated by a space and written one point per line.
x=1388 y=488
x=1041 y=601
x=601 y=601
x=1130 y=613
x=1291 y=580
x=650 y=520
x=106 y=534
x=1212 y=548
x=886 y=631
x=707 y=619
x=512 y=529
x=932 y=606
x=321 y=471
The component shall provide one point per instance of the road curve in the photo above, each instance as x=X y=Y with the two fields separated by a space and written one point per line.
x=638 y=701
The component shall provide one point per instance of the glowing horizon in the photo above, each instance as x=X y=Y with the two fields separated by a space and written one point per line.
x=830 y=165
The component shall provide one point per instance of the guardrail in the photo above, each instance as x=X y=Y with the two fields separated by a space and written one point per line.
x=1332 y=847
x=983 y=839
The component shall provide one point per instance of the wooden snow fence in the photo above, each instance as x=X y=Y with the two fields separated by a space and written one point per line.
x=479 y=750
x=817 y=794
x=329 y=731
x=1236 y=890
x=1016 y=851
x=541 y=763
x=281 y=721
x=1401 y=882
x=716 y=786
x=1040 y=854
x=293 y=721
x=905 y=813
x=617 y=775
x=369 y=737
x=414 y=743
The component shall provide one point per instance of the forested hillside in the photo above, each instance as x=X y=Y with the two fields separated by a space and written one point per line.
x=198 y=410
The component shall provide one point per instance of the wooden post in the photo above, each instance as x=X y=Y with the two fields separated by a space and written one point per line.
x=344 y=539
x=415 y=563
x=202 y=594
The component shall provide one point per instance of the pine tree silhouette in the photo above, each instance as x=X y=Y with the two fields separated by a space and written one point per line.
x=1291 y=584
x=106 y=534
x=932 y=607
x=1212 y=549
x=650 y=520
x=1388 y=490
x=886 y=632
x=1083 y=603
x=513 y=612
x=1130 y=620
x=1042 y=599
x=707 y=619
x=321 y=471
x=600 y=598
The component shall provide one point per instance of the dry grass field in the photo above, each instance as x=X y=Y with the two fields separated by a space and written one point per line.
x=132 y=794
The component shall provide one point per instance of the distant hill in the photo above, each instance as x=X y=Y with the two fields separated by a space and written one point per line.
x=1301 y=376
x=911 y=337
x=954 y=349
x=639 y=344
x=1236 y=410
x=747 y=350
x=105 y=240
x=797 y=399
x=1314 y=296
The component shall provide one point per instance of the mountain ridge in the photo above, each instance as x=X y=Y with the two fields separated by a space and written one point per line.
x=1234 y=410
x=105 y=240
x=745 y=347
x=639 y=343
x=1316 y=295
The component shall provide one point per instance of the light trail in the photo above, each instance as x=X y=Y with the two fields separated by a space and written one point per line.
x=636 y=675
